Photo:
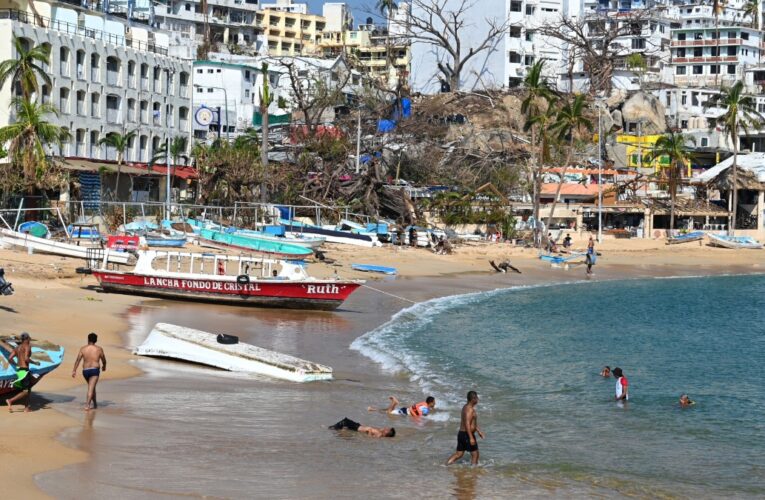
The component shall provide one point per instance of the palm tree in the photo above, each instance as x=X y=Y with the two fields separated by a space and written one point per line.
x=265 y=101
x=120 y=143
x=752 y=9
x=537 y=93
x=28 y=137
x=177 y=150
x=740 y=114
x=249 y=139
x=673 y=146
x=386 y=6
x=26 y=68
x=570 y=119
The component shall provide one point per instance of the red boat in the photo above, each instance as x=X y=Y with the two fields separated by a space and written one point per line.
x=226 y=279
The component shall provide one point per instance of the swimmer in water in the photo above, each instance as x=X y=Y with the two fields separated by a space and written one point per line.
x=375 y=432
x=606 y=372
x=421 y=409
x=685 y=401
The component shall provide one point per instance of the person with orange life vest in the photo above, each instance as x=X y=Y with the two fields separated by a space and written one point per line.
x=421 y=409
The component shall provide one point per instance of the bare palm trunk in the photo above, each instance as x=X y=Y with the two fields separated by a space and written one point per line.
x=561 y=180
x=672 y=197
x=264 y=152
x=535 y=188
x=734 y=204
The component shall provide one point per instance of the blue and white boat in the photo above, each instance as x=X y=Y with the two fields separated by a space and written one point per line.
x=46 y=357
x=331 y=233
x=34 y=228
x=725 y=241
x=370 y=268
x=685 y=238
x=163 y=241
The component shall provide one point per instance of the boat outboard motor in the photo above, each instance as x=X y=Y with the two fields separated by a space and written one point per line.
x=227 y=339
x=5 y=287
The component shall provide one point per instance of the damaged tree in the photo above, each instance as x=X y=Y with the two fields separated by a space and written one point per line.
x=600 y=42
x=441 y=23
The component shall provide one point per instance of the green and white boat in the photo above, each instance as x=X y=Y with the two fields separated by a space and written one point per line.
x=252 y=243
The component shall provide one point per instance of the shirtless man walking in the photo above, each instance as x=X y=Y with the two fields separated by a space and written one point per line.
x=468 y=428
x=23 y=355
x=93 y=361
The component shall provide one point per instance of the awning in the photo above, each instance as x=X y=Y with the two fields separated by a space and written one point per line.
x=110 y=166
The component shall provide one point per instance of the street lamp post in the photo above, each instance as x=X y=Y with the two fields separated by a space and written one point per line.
x=225 y=106
x=600 y=178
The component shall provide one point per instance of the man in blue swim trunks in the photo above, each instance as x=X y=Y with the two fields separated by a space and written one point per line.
x=93 y=361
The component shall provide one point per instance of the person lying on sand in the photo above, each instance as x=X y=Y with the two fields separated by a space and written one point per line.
x=504 y=266
x=685 y=401
x=375 y=432
x=420 y=409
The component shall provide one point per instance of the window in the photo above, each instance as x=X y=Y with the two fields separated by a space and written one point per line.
x=515 y=57
x=210 y=91
x=680 y=70
x=529 y=36
x=187 y=7
x=200 y=90
x=247 y=75
x=246 y=93
x=528 y=60
x=95 y=62
x=744 y=36
x=64 y=61
x=732 y=51
x=529 y=10
x=81 y=102
x=217 y=70
x=760 y=108
x=95 y=104
x=681 y=36
x=684 y=99
x=515 y=6
x=63 y=100
x=704 y=142
x=698 y=69
x=715 y=51
x=680 y=52
x=210 y=70
x=638 y=43
x=684 y=124
x=515 y=31
x=731 y=69
x=698 y=36
x=714 y=69
x=731 y=35
x=200 y=71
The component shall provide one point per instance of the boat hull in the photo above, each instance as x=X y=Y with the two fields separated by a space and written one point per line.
x=733 y=242
x=314 y=295
x=47 y=357
x=253 y=244
x=331 y=235
x=685 y=238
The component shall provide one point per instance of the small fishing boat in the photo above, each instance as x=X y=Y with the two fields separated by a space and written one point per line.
x=558 y=260
x=163 y=241
x=85 y=233
x=45 y=245
x=735 y=242
x=685 y=238
x=370 y=268
x=34 y=228
x=226 y=279
x=227 y=353
x=332 y=235
x=46 y=357
x=306 y=241
x=253 y=244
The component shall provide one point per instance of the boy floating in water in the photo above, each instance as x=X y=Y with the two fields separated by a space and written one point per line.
x=375 y=432
x=685 y=401
x=421 y=409
x=606 y=372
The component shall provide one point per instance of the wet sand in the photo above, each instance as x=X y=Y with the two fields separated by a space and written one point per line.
x=161 y=431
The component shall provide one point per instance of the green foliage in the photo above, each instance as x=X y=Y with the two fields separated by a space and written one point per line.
x=26 y=68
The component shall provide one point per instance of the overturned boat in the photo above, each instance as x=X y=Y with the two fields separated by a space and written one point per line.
x=227 y=353
x=226 y=279
x=735 y=242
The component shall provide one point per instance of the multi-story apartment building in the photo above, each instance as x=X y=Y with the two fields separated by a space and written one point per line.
x=373 y=51
x=289 y=30
x=709 y=56
x=229 y=23
x=106 y=77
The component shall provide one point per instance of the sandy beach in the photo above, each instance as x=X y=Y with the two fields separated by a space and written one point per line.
x=53 y=302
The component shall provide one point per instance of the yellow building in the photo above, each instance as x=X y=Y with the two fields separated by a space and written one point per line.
x=290 y=33
x=638 y=146
x=372 y=51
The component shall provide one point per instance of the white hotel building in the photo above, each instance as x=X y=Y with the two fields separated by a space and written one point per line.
x=107 y=77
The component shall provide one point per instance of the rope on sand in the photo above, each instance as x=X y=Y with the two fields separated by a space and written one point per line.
x=391 y=294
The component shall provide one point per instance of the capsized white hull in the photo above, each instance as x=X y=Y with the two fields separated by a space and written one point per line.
x=56 y=247
x=196 y=346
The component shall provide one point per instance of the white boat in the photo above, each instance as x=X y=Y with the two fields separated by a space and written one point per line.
x=25 y=240
x=196 y=346
x=725 y=241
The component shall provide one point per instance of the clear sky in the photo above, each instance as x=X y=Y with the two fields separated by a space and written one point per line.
x=361 y=9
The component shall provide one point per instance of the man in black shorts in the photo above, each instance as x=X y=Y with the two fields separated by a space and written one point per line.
x=375 y=432
x=468 y=428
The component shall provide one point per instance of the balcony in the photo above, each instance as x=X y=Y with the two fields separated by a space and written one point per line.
x=80 y=149
x=64 y=68
x=81 y=108
x=706 y=59
x=94 y=75
x=707 y=43
x=113 y=78
x=144 y=83
x=183 y=91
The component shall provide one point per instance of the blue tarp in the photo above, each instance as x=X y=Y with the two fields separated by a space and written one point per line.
x=385 y=126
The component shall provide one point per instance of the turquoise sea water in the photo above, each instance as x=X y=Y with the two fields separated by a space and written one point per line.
x=534 y=356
